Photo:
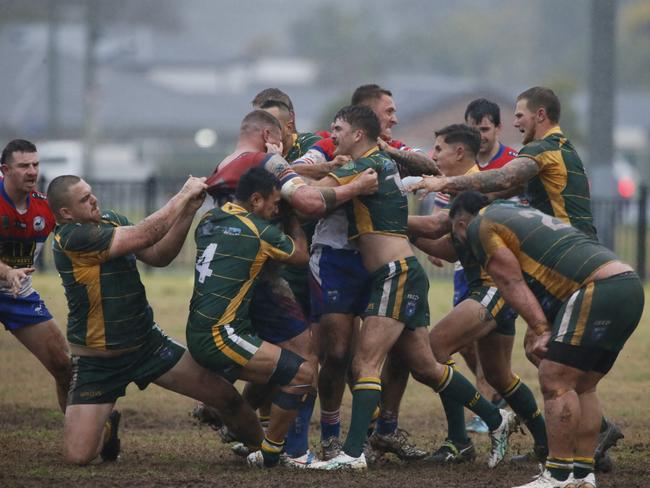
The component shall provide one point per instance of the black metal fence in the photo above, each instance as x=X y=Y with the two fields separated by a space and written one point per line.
x=622 y=223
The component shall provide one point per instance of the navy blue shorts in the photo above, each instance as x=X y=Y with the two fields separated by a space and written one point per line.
x=338 y=282
x=275 y=313
x=17 y=312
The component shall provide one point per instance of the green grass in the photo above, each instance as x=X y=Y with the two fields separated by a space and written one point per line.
x=162 y=447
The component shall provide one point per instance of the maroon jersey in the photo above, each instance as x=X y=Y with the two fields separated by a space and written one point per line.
x=223 y=181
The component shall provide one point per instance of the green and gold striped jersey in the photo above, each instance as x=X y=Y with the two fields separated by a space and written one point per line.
x=107 y=304
x=232 y=246
x=555 y=258
x=384 y=212
x=301 y=143
x=561 y=188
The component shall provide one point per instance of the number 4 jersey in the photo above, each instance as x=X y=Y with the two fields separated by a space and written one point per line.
x=232 y=247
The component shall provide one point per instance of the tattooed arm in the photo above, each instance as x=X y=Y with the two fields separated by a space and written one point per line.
x=410 y=163
x=514 y=174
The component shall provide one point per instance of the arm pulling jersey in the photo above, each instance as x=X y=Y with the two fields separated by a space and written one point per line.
x=555 y=258
x=107 y=304
x=22 y=234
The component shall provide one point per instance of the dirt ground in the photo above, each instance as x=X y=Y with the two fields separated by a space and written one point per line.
x=170 y=450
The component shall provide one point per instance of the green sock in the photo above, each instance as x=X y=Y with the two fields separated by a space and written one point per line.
x=560 y=468
x=522 y=402
x=365 y=398
x=582 y=467
x=455 y=413
x=456 y=387
x=271 y=451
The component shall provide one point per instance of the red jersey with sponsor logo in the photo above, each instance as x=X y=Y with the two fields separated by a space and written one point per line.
x=503 y=156
x=23 y=234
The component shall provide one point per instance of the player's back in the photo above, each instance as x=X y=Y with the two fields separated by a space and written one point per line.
x=555 y=258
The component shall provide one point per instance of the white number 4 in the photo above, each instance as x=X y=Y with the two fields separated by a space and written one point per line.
x=203 y=263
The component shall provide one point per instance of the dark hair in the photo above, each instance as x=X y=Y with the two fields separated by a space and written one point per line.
x=361 y=117
x=277 y=104
x=256 y=180
x=482 y=107
x=539 y=96
x=366 y=93
x=469 y=201
x=463 y=134
x=17 y=145
x=57 y=191
x=274 y=94
x=257 y=120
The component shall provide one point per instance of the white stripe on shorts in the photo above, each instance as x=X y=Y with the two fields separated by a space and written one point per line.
x=385 y=295
x=488 y=296
x=314 y=264
x=240 y=341
x=566 y=318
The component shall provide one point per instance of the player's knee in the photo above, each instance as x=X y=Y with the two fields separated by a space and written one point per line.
x=338 y=355
x=79 y=457
x=499 y=380
x=292 y=369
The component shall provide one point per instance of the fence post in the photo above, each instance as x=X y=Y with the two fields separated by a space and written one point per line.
x=641 y=232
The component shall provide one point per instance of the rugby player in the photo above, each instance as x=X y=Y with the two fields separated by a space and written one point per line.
x=26 y=221
x=398 y=312
x=478 y=314
x=568 y=289
x=95 y=254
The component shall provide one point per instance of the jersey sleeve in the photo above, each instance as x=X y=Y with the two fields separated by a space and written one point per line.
x=278 y=166
x=86 y=244
x=485 y=238
x=321 y=152
x=534 y=151
x=276 y=244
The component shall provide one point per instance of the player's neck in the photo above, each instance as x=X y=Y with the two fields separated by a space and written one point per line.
x=484 y=158
x=17 y=196
x=463 y=167
x=362 y=148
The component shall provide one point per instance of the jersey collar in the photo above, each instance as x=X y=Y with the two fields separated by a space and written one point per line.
x=370 y=151
x=233 y=208
x=553 y=130
x=8 y=199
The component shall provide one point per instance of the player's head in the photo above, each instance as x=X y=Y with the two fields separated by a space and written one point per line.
x=261 y=127
x=537 y=110
x=455 y=148
x=275 y=95
x=282 y=112
x=381 y=102
x=72 y=200
x=355 y=127
x=485 y=116
x=20 y=165
x=259 y=192
x=463 y=209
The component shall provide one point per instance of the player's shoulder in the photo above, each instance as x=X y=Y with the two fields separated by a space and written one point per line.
x=111 y=217
x=510 y=152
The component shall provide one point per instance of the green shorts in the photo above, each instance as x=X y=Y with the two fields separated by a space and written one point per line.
x=104 y=380
x=224 y=349
x=602 y=314
x=503 y=314
x=400 y=290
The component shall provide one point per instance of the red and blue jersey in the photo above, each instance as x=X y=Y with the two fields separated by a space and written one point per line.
x=324 y=149
x=503 y=156
x=22 y=234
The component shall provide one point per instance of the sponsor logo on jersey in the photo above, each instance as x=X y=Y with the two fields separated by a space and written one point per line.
x=39 y=223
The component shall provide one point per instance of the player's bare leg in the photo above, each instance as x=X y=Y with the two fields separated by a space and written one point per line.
x=47 y=343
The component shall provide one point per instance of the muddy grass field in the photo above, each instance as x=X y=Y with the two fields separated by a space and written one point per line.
x=161 y=446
